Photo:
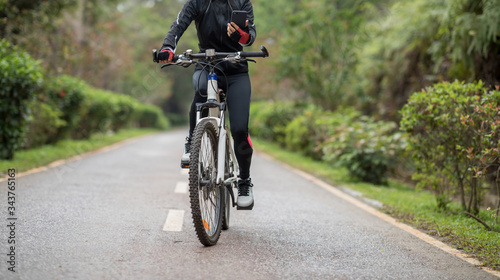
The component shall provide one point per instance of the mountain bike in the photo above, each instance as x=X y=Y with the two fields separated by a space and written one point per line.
x=213 y=168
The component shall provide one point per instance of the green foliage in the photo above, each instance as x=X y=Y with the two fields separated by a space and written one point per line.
x=66 y=93
x=125 y=109
x=317 y=50
x=304 y=133
x=65 y=106
x=454 y=134
x=268 y=120
x=105 y=111
x=312 y=127
x=88 y=110
x=16 y=16
x=468 y=31
x=369 y=149
x=151 y=116
x=20 y=78
x=422 y=42
x=44 y=126
x=100 y=108
x=270 y=16
x=394 y=62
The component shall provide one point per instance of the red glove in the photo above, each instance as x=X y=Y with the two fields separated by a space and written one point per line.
x=240 y=36
x=165 y=55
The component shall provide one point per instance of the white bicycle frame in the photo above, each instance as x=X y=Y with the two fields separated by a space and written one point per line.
x=216 y=115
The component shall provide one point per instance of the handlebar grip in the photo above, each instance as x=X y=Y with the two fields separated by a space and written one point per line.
x=263 y=53
x=252 y=54
x=155 y=56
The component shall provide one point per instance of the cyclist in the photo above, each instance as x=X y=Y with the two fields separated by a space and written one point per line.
x=216 y=31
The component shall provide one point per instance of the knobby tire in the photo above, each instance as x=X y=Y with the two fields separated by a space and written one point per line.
x=207 y=198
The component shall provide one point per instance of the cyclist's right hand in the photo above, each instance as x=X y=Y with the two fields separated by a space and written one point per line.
x=165 y=56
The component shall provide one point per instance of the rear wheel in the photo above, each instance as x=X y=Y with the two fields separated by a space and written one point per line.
x=206 y=196
x=228 y=173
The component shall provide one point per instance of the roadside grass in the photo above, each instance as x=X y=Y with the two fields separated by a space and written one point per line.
x=25 y=160
x=403 y=202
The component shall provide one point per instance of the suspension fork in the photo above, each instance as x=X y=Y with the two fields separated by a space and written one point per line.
x=221 y=155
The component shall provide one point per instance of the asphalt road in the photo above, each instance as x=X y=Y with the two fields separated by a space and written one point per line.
x=104 y=217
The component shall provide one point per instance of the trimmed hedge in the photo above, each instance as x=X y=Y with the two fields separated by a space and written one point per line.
x=101 y=111
x=147 y=115
x=99 y=108
x=66 y=94
x=37 y=110
x=45 y=123
x=369 y=149
x=268 y=120
x=20 y=80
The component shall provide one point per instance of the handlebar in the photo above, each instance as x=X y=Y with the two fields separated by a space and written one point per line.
x=211 y=54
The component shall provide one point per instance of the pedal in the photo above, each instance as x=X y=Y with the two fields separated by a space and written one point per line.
x=184 y=165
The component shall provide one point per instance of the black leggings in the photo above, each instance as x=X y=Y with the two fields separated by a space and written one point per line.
x=238 y=90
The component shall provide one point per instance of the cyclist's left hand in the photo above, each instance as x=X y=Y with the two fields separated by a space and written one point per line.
x=237 y=34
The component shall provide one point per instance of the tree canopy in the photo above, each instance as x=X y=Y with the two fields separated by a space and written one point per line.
x=372 y=54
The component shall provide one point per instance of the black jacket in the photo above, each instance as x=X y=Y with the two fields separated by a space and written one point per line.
x=211 y=18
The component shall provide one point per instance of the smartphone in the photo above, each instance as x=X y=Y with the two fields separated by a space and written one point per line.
x=239 y=17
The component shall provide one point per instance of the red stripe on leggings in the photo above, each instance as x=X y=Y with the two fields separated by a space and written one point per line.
x=250 y=141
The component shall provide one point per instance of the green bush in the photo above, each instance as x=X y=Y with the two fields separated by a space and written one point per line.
x=126 y=107
x=369 y=149
x=66 y=106
x=89 y=110
x=44 y=126
x=300 y=134
x=309 y=130
x=268 y=120
x=178 y=119
x=454 y=138
x=20 y=78
x=151 y=116
x=66 y=93
x=99 y=107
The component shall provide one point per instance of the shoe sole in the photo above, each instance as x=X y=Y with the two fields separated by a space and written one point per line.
x=250 y=207
x=184 y=164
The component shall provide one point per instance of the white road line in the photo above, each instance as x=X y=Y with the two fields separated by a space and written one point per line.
x=175 y=219
x=181 y=187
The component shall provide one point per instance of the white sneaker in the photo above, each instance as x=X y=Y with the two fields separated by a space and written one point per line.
x=245 y=194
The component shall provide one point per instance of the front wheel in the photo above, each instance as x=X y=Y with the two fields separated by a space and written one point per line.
x=227 y=209
x=206 y=196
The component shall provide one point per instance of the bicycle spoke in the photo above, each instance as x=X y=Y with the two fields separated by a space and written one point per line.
x=207 y=195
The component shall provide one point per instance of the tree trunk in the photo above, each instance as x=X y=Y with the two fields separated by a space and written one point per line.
x=488 y=68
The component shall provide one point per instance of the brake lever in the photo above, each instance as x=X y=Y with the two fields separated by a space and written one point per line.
x=168 y=64
x=238 y=59
x=184 y=63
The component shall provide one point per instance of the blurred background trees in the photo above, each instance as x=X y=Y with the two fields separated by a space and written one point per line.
x=372 y=54
x=353 y=63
